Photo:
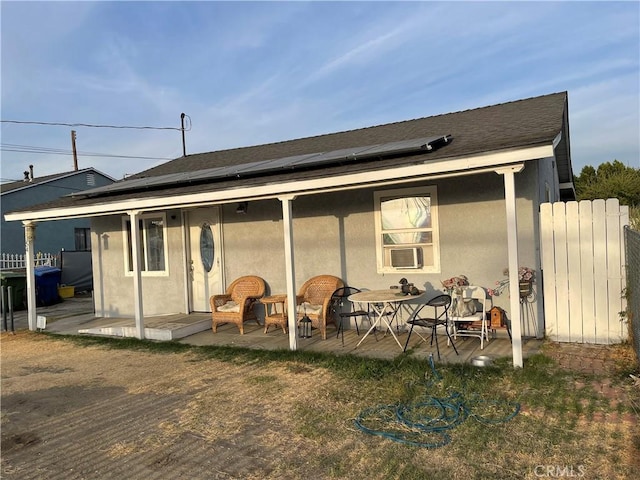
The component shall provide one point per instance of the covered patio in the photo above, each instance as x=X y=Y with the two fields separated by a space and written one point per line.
x=459 y=192
x=173 y=327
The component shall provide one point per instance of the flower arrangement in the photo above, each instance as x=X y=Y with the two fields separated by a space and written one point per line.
x=454 y=283
x=525 y=274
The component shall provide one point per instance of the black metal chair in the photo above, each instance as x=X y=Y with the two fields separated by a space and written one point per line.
x=339 y=300
x=438 y=320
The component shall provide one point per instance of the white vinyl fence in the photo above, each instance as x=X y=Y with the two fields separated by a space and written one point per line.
x=583 y=259
x=11 y=261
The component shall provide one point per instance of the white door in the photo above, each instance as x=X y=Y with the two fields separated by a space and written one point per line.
x=205 y=257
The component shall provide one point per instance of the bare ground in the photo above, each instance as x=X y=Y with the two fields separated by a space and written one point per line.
x=71 y=412
x=88 y=412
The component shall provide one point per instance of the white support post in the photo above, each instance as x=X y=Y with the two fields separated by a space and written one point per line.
x=512 y=245
x=188 y=262
x=29 y=240
x=137 y=273
x=287 y=218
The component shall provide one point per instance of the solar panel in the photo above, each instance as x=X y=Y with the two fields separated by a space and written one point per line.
x=398 y=147
x=332 y=156
x=278 y=164
x=283 y=163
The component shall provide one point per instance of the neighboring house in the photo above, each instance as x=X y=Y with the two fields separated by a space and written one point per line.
x=424 y=199
x=52 y=237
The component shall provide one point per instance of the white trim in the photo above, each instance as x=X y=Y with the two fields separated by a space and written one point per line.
x=29 y=239
x=567 y=186
x=138 y=301
x=448 y=166
x=512 y=247
x=290 y=273
x=186 y=273
x=125 y=242
x=430 y=191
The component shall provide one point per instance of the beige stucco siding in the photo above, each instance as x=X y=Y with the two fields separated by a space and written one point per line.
x=253 y=242
x=334 y=233
x=113 y=288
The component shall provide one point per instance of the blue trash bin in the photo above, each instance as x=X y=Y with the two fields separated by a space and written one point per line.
x=47 y=281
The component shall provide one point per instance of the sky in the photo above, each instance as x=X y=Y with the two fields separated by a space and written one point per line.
x=248 y=73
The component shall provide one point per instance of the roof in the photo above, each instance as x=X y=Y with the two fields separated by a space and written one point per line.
x=508 y=125
x=20 y=184
x=537 y=121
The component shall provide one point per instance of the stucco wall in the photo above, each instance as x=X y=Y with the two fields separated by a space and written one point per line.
x=334 y=233
x=473 y=238
x=113 y=288
x=254 y=243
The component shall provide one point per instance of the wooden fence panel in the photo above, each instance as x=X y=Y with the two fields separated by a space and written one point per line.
x=548 y=261
x=615 y=263
x=582 y=248
x=600 y=270
x=587 y=282
x=561 y=274
x=574 y=272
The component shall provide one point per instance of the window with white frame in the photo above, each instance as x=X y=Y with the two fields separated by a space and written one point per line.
x=407 y=230
x=153 y=245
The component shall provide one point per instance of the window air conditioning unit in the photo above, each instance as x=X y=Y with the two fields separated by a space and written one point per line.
x=406 y=257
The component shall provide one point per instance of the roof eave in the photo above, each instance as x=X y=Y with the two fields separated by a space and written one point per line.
x=403 y=174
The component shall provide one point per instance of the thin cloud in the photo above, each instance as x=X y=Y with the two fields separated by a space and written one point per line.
x=249 y=73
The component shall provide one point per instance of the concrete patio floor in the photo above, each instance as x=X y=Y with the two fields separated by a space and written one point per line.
x=75 y=317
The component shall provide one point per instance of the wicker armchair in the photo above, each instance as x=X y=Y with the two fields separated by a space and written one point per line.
x=237 y=305
x=314 y=299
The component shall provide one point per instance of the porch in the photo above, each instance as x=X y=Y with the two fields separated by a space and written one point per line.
x=195 y=329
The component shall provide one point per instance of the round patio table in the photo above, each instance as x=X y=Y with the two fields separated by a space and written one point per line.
x=383 y=301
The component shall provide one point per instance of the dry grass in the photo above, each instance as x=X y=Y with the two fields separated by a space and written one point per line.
x=284 y=416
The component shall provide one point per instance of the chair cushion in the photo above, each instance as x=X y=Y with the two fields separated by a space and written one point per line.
x=309 y=308
x=230 y=306
x=465 y=308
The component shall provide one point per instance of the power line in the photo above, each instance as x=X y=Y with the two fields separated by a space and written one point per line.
x=11 y=147
x=62 y=124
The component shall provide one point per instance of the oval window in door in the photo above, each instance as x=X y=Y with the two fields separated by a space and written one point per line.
x=206 y=247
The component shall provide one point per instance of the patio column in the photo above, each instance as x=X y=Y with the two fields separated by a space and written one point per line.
x=30 y=263
x=134 y=216
x=512 y=246
x=287 y=220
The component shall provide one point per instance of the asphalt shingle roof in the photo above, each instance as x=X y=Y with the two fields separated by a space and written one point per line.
x=524 y=123
x=509 y=125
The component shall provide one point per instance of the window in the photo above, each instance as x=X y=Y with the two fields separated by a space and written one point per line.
x=207 y=247
x=407 y=231
x=83 y=239
x=153 y=250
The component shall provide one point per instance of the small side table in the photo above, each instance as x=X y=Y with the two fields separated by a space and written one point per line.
x=271 y=314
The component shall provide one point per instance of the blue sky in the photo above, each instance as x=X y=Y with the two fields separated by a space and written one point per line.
x=250 y=73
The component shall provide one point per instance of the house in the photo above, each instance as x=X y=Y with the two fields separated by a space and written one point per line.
x=424 y=199
x=71 y=234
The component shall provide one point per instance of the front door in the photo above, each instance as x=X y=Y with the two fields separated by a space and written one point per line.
x=205 y=260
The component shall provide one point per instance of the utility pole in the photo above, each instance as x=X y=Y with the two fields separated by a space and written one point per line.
x=75 y=153
x=184 y=146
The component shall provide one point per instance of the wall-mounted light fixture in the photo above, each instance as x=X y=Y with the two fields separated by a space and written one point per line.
x=242 y=207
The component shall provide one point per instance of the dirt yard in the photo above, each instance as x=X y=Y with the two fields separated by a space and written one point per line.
x=90 y=412
x=72 y=412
